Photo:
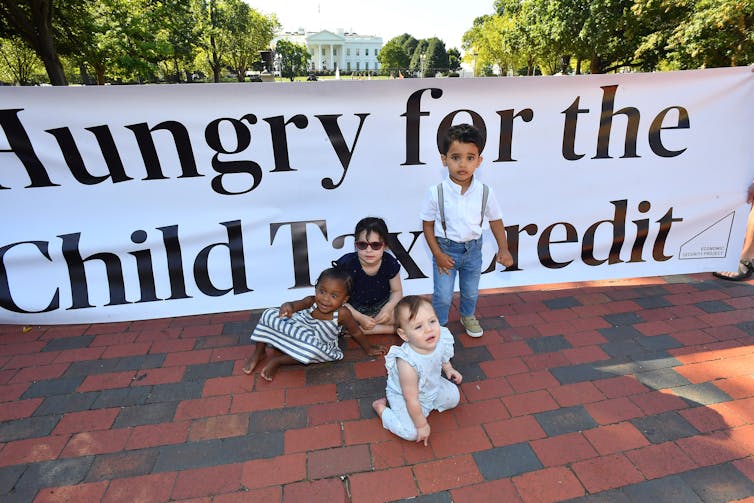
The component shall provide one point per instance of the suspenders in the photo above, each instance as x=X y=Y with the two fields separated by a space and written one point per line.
x=440 y=202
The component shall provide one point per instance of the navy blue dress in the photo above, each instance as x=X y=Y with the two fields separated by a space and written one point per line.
x=369 y=293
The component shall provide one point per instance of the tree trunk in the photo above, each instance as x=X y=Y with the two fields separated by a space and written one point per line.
x=84 y=75
x=595 y=65
x=99 y=70
x=35 y=26
x=215 y=69
x=45 y=47
x=215 y=63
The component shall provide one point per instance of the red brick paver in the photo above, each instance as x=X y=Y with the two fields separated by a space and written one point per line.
x=160 y=411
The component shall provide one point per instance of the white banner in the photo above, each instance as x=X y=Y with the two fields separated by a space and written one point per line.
x=136 y=202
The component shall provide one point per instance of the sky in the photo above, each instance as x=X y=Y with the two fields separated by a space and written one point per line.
x=444 y=19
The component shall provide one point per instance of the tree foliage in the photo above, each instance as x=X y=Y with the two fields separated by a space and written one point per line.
x=393 y=56
x=293 y=58
x=405 y=53
x=32 y=21
x=139 y=40
x=454 y=59
x=436 y=57
x=22 y=66
x=716 y=33
x=409 y=43
x=415 y=64
x=245 y=33
x=231 y=33
x=612 y=35
x=173 y=40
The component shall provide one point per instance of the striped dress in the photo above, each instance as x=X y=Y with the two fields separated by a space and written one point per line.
x=301 y=336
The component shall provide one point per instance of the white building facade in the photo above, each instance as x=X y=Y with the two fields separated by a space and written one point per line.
x=339 y=50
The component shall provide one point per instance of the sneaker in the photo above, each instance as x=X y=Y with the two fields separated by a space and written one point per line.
x=472 y=326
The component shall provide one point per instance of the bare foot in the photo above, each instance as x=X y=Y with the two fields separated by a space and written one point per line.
x=269 y=370
x=379 y=406
x=253 y=361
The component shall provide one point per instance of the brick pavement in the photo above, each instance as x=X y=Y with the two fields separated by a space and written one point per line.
x=613 y=392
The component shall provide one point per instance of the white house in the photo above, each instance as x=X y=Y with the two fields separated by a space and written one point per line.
x=348 y=52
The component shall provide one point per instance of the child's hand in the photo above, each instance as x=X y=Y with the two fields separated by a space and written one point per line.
x=454 y=376
x=422 y=434
x=286 y=310
x=444 y=263
x=504 y=257
x=382 y=318
x=376 y=350
x=367 y=322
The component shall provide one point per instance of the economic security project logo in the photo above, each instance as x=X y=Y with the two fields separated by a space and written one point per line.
x=712 y=242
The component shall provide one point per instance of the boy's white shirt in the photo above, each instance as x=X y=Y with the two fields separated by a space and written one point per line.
x=462 y=212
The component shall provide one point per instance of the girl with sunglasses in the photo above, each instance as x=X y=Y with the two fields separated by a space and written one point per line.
x=376 y=282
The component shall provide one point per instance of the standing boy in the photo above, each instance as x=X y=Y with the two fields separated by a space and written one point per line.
x=452 y=217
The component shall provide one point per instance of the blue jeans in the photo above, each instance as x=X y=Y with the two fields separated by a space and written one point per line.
x=467 y=258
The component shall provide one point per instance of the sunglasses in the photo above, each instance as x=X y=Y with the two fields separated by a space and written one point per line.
x=375 y=245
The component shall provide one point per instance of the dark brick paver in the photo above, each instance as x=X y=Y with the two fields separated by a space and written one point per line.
x=624 y=391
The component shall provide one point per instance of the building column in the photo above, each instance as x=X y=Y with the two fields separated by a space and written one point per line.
x=315 y=56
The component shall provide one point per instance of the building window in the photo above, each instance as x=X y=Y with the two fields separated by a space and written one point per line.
x=358 y=51
x=358 y=66
x=323 y=51
x=366 y=66
x=348 y=66
x=366 y=52
x=334 y=52
x=348 y=51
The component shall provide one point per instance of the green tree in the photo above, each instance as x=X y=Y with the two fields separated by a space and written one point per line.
x=95 y=39
x=405 y=52
x=211 y=19
x=20 y=64
x=507 y=7
x=436 y=57
x=294 y=58
x=603 y=32
x=133 y=40
x=263 y=29
x=531 y=34
x=136 y=35
x=612 y=34
x=409 y=43
x=604 y=39
x=493 y=41
x=32 y=21
x=245 y=32
x=546 y=35
x=415 y=64
x=393 y=57
x=230 y=33
x=78 y=25
x=454 y=59
x=182 y=33
x=715 y=33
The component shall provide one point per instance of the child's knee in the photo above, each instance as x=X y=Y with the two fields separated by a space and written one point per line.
x=449 y=396
x=398 y=425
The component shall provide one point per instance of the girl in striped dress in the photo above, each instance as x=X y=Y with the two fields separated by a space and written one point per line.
x=306 y=331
